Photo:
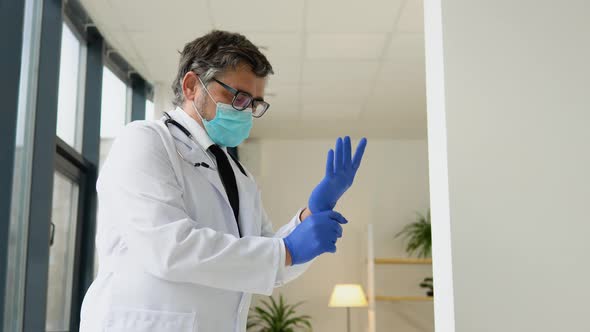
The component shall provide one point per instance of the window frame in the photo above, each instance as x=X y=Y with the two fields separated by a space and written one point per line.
x=80 y=84
x=50 y=153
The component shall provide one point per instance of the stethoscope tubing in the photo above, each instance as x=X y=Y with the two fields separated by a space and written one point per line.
x=170 y=120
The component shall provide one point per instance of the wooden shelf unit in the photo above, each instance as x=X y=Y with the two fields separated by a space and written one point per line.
x=416 y=261
x=403 y=298
x=371 y=262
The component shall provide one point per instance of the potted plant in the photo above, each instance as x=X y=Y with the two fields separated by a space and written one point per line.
x=427 y=283
x=276 y=317
x=418 y=236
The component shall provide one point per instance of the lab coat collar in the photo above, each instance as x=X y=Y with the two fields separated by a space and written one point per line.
x=199 y=134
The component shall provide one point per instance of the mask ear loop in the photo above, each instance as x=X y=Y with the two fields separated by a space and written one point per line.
x=197 y=111
x=193 y=101
x=205 y=87
x=203 y=120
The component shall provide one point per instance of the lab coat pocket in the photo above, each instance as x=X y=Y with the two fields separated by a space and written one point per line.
x=122 y=319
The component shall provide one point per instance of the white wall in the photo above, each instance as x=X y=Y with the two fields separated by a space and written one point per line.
x=391 y=186
x=515 y=97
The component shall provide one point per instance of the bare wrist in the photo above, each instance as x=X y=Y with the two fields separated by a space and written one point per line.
x=304 y=214
x=288 y=260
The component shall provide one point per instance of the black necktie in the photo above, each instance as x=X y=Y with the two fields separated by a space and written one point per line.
x=228 y=178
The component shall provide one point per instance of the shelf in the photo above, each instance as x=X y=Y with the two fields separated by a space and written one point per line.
x=404 y=298
x=403 y=261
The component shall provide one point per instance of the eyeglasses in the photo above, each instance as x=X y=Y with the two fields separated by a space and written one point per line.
x=243 y=100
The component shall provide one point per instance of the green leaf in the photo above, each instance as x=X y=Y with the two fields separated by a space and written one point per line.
x=276 y=316
x=418 y=236
x=270 y=308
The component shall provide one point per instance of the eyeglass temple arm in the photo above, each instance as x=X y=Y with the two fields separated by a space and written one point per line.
x=229 y=88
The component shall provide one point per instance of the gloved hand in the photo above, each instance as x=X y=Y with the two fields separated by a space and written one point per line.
x=314 y=236
x=340 y=172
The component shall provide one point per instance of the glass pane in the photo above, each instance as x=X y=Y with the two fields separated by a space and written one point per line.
x=114 y=109
x=114 y=105
x=61 y=253
x=69 y=77
x=19 y=217
x=149 y=110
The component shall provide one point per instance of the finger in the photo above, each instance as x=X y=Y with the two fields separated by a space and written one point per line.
x=358 y=155
x=337 y=217
x=330 y=163
x=346 y=162
x=338 y=156
x=338 y=230
x=332 y=248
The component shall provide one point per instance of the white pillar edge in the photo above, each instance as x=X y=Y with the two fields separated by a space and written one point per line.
x=442 y=265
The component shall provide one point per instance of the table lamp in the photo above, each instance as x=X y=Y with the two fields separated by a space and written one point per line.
x=347 y=296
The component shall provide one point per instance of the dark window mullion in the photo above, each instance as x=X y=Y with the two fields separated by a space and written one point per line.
x=65 y=167
x=138 y=97
x=64 y=150
x=40 y=207
x=86 y=230
x=11 y=25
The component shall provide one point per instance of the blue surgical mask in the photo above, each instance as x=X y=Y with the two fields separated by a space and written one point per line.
x=229 y=127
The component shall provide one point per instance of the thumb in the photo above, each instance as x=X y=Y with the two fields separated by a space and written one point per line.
x=337 y=217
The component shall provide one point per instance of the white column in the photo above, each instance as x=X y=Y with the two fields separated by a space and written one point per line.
x=508 y=110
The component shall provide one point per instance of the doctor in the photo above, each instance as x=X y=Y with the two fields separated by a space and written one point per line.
x=183 y=240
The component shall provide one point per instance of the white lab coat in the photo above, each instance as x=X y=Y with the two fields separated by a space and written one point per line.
x=170 y=258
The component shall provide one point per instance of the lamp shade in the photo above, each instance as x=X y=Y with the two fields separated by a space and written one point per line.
x=348 y=295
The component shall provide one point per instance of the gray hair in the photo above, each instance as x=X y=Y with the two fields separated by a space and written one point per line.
x=216 y=53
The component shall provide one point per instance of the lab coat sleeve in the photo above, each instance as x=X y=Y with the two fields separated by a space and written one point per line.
x=139 y=190
x=286 y=273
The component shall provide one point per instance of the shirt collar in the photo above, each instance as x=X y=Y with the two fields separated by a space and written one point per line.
x=199 y=134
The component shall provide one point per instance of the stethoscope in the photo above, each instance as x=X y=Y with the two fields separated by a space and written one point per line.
x=212 y=165
x=170 y=120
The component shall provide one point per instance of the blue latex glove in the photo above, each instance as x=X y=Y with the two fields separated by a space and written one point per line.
x=314 y=236
x=340 y=172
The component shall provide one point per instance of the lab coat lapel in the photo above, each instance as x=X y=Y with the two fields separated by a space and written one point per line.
x=247 y=191
x=194 y=154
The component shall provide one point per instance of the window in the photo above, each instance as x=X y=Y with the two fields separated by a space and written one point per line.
x=62 y=246
x=69 y=117
x=114 y=110
x=59 y=93
x=19 y=214
x=114 y=105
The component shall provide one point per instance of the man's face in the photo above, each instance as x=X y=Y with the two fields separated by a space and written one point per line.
x=242 y=79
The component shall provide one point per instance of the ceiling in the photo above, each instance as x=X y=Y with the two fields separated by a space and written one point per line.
x=341 y=66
